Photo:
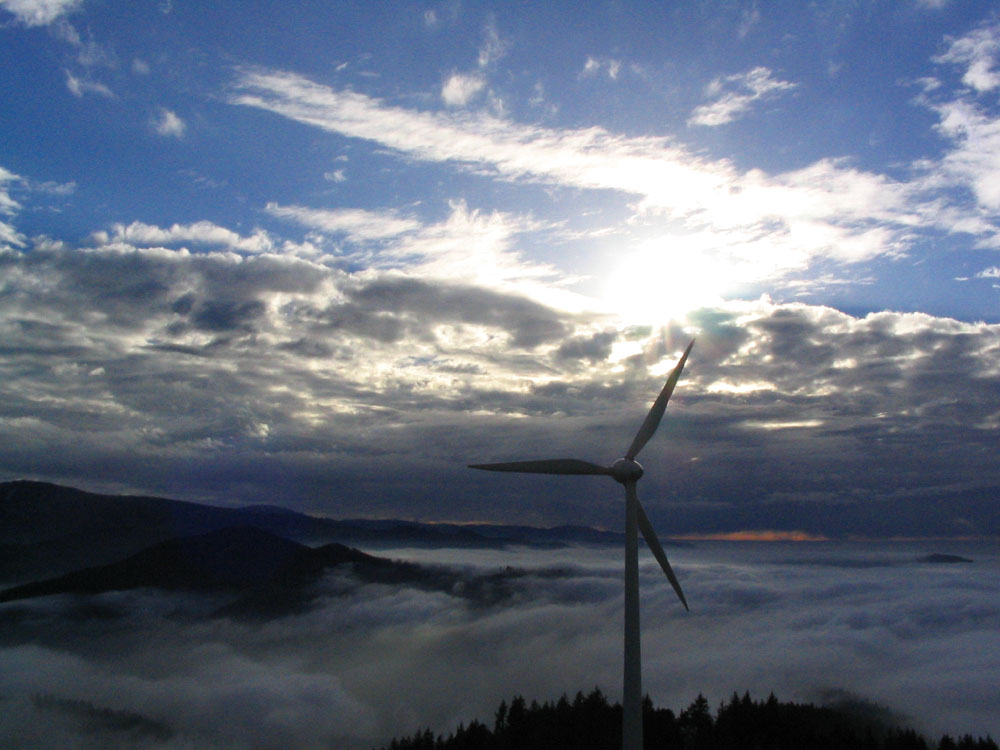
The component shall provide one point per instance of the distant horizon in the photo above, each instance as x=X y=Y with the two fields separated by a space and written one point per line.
x=740 y=535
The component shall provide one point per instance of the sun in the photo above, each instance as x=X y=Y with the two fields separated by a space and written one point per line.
x=657 y=283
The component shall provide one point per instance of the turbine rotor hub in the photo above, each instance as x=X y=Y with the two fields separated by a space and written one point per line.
x=625 y=470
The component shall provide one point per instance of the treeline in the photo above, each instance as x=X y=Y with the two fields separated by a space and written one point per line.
x=590 y=722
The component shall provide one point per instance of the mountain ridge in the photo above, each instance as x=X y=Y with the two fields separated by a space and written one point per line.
x=48 y=529
x=263 y=575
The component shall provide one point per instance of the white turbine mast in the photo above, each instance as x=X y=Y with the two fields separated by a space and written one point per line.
x=627 y=471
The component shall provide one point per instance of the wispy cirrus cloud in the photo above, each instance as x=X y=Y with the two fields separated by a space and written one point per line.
x=357 y=224
x=768 y=223
x=81 y=86
x=734 y=95
x=467 y=245
x=595 y=65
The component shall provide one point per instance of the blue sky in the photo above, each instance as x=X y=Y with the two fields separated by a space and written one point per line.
x=326 y=254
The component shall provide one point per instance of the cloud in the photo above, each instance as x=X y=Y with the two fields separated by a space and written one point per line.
x=80 y=86
x=767 y=225
x=734 y=95
x=467 y=246
x=358 y=224
x=199 y=233
x=39 y=12
x=594 y=65
x=207 y=374
x=9 y=207
x=749 y=18
x=460 y=88
x=978 y=52
x=973 y=130
x=493 y=47
x=169 y=125
x=809 y=619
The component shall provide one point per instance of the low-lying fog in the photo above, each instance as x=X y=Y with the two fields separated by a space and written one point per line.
x=807 y=621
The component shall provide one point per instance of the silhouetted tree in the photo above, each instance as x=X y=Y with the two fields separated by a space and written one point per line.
x=589 y=722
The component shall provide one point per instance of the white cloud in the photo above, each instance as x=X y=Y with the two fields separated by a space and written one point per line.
x=595 y=65
x=199 y=233
x=975 y=160
x=479 y=248
x=769 y=223
x=972 y=128
x=140 y=67
x=493 y=47
x=336 y=175
x=735 y=94
x=9 y=207
x=39 y=12
x=169 y=125
x=468 y=246
x=989 y=273
x=978 y=52
x=460 y=88
x=80 y=86
x=749 y=18
x=359 y=225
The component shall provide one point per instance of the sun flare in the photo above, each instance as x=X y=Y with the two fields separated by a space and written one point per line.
x=656 y=283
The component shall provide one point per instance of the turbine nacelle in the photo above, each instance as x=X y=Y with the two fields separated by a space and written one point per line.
x=626 y=470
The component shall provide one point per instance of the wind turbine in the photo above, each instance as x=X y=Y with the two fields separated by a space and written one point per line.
x=627 y=471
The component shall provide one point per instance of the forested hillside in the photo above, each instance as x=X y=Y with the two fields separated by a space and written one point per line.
x=592 y=723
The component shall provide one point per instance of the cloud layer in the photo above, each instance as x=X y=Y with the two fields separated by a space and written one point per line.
x=797 y=619
x=243 y=370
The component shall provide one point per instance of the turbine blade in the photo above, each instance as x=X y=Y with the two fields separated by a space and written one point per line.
x=547 y=466
x=661 y=557
x=652 y=420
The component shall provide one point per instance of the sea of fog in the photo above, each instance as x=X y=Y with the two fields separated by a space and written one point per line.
x=819 y=622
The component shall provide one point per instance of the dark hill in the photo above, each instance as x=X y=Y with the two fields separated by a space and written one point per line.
x=939 y=557
x=266 y=575
x=234 y=558
x=46 y=529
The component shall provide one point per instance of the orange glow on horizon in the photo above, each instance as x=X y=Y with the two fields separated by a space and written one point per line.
x=755 y=535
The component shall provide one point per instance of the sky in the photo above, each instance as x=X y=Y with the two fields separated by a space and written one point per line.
x=821 y=623
x=324 y=255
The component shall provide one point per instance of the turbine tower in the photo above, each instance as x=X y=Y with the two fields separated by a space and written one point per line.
x=627 y=471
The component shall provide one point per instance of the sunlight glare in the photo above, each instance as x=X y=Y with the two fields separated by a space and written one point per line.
x=664 y=280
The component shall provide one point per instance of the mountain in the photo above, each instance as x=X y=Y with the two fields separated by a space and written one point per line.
x=264 y=574
x=47 y=529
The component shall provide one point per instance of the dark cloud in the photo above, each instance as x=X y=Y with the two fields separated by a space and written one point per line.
x=422 y=304
x=595 y=348
x=218 y=377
